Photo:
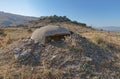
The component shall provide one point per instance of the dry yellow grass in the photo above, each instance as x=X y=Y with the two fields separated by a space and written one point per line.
x=13 y=34
x=29 y=72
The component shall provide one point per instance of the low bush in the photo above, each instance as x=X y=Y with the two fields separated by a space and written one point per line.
x=99 y=40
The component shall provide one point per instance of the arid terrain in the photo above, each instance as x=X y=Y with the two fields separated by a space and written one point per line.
x=88 y=54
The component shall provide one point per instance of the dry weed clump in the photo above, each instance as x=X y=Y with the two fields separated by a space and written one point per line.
x=47 y=73
x=29 y=30
x=99 y=40
x=7 y=40
x=51 y=74
x=2 y=32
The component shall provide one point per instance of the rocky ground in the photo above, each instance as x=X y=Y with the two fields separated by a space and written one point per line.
x=73 y=58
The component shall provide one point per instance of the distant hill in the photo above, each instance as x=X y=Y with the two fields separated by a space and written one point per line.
x=8 y=19
x=110 y=28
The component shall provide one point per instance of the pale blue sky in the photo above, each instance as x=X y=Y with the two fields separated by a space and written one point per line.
x=92 y=12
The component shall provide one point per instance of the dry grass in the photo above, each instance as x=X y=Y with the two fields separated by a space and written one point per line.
x=10 y=35
x=109 y=41
x=111 y=37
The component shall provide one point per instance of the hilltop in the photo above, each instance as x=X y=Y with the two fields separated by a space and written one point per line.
x=54 y=20
x=86 y=54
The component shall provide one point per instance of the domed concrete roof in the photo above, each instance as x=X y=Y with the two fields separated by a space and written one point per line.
x=50 y=30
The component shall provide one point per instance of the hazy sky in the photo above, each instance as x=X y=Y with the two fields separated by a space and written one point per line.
x=91 y=12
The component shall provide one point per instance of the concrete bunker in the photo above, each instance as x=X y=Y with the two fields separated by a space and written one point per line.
x=48 y=33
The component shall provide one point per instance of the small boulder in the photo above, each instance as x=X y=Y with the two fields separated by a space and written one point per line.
x=16 y=52
x=24 y=55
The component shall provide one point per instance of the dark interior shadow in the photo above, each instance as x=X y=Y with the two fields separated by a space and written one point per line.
x=59 y=44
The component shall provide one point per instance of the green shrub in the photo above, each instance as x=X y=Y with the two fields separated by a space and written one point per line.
x=99 y=40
